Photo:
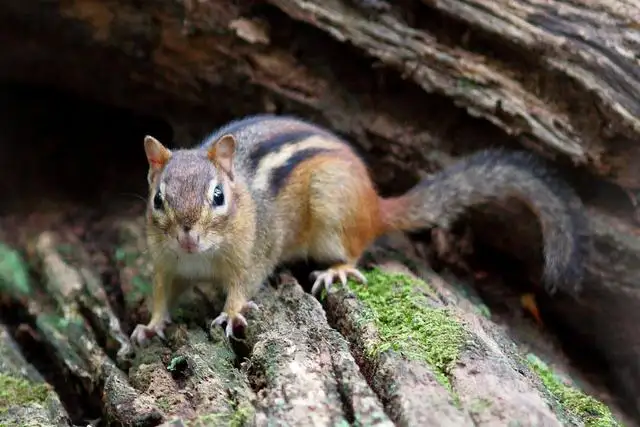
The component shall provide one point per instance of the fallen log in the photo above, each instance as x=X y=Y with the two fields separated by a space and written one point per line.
x=293 y=367
x=302 y=371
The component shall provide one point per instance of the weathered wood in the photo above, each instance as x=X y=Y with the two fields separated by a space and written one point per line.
x=299 y=370
x=303 y=367
x=594 y=44
x=572 y=87
x=605 y=315
x=144 y=391
x=478 y=373
x=24 y=394
x=78 y=298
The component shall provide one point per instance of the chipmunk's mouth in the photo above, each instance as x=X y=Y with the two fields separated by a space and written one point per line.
x=189 y=244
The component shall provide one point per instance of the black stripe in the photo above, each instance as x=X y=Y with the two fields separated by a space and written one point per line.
x=235 y=126
x=275 y=143
x=280 y=175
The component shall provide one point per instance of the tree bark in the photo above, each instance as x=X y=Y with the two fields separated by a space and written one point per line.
x=550 y=56
x=25 y=394
x=299 y=370
x=414 y=85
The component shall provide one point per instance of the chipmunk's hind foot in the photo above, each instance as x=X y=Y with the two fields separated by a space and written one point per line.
x=327 y=277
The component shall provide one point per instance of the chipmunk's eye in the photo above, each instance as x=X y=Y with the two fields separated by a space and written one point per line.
x=218 y=196
x=157 y=202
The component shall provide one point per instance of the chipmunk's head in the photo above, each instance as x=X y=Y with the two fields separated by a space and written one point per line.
x=191 y=199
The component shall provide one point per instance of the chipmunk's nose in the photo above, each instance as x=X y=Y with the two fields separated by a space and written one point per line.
x=188 y=241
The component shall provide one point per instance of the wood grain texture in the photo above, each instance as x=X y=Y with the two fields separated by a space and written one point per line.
x=589 y=52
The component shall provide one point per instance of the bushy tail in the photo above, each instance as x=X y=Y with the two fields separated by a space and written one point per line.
x=492 y=175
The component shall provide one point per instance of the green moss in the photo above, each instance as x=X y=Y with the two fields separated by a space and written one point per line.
x=13 y=271
x=177 y=363
x=592 y=412
x=208 y=420
x=239 y=418
x=132 y=257
x=126 y=256
x=464 y=84
x=407 y=324
x=270 y=359
x=483 y=310
x=62 y=324
x=164 y=404
x=141 y=285
x=242 y=416
x=18 y=391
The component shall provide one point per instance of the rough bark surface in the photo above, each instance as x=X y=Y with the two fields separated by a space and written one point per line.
x=35 y=400
x=298 y=370
x=414 y=85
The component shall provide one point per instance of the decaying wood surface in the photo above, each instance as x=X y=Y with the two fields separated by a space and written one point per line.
x=413 y=85
x=34 y=399
x=560 y=75
x=299 y=371
x=566 y=80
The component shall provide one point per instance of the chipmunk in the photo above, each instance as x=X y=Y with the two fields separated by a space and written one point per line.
x=264 y=190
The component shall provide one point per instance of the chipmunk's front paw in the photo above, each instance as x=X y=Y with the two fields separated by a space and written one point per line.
x=143 y=333
x=327 y=277
x=233 y=320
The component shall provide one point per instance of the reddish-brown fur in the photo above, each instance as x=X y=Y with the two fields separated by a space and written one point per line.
x=362 y=224
x=391 y=213
x=356 y=203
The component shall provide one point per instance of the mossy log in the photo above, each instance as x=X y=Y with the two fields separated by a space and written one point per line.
x=26 y=399
x=296 y=366
x=424 y=83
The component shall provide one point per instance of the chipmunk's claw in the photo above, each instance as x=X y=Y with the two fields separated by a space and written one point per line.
x=235 y=320
x=327 y=277
x=160 y=333
x=142 y=334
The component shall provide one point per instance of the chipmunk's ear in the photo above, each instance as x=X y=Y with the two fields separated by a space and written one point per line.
x=157 y=155
x=222 y=152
